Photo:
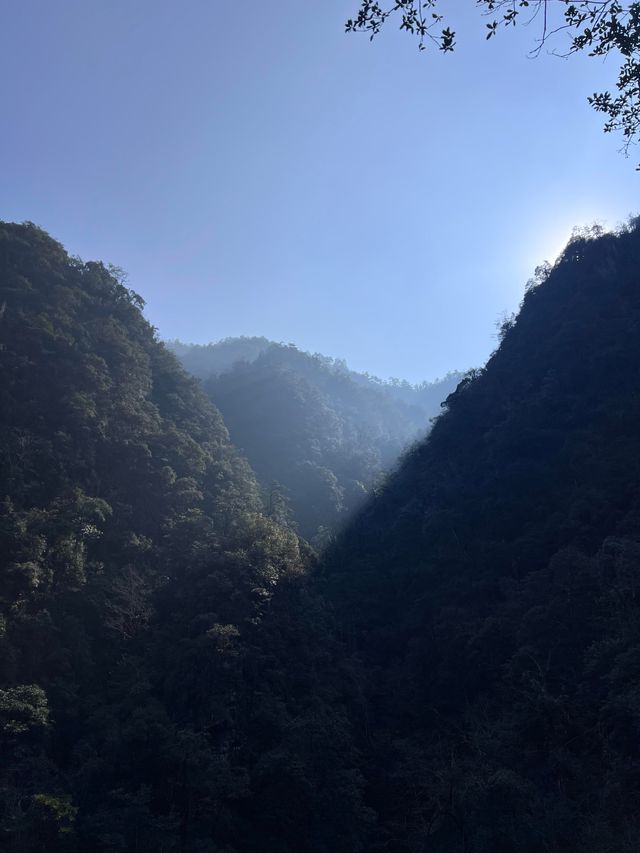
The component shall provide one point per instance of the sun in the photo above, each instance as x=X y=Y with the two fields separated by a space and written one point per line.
x=551 y=239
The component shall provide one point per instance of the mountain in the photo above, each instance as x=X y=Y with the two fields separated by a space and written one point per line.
x=458 y=671
x=319 y=436
x=143 y=700
x=489 y=594
x=205 y=360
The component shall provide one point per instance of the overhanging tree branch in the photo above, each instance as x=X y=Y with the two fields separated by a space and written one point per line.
x=599 y=27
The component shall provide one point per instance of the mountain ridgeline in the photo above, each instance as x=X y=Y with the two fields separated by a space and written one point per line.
x=319 y=436
x=458 y=672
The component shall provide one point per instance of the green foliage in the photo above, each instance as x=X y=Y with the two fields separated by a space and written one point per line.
x=324 y=434
x=58 y=810
x=23 y=708
x=178 y=673
x=137 y=578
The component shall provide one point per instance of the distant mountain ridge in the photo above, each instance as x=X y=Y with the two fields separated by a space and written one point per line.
x=318 y=435
x=205 y=360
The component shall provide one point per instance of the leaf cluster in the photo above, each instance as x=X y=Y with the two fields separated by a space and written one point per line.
x=601 y=28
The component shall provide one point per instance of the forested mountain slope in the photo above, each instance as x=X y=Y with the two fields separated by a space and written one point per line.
x=489 y=596
x=318 y=435
x=143 y=705
x=460 y=673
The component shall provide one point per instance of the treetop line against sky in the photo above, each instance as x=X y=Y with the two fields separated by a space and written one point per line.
x=264 y=173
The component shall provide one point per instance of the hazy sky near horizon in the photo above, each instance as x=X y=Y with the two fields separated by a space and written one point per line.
x=257 y=171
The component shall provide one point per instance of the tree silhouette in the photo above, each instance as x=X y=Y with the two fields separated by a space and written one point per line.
x=599 y=27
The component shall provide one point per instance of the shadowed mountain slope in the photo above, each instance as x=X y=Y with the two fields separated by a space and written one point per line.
x=459 y=674
x=489 y=593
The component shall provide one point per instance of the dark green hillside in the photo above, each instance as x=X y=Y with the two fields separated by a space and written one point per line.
x=490 y=594
x=460 y=674
x=317 y=435
x=143 y=706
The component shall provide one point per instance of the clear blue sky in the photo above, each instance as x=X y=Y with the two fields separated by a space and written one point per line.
x=257 y=171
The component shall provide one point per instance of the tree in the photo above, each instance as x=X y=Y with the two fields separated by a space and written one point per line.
x=600 y=27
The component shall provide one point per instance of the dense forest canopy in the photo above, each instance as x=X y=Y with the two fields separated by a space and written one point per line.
x=318 y=435
x=136 y=568
x=488 y=594
x=458 y=673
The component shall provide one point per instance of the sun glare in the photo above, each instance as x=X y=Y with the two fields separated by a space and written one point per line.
x=550 y=240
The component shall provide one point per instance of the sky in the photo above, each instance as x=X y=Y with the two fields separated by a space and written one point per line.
x=257 y=171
